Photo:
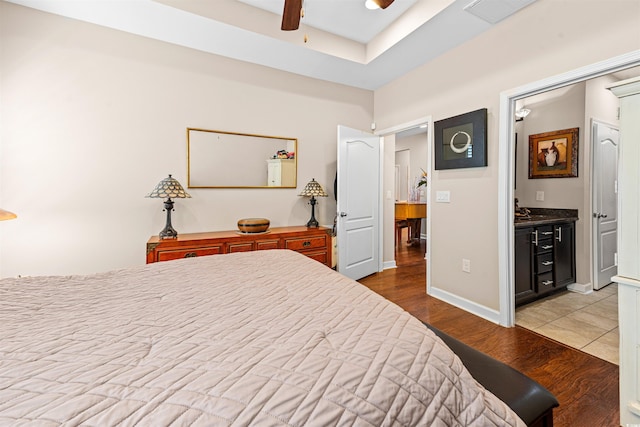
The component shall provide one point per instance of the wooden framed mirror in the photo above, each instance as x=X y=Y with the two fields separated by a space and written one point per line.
x=220 y=159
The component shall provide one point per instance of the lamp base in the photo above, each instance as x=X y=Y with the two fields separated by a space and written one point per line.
x=312 y=223
x=168 y=232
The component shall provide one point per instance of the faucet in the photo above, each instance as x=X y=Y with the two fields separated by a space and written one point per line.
x=521 y=212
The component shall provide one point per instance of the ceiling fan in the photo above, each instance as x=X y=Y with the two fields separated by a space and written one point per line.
x=293 y=11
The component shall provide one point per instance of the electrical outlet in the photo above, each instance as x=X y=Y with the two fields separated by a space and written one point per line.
x=466 y=265
x=540 y=196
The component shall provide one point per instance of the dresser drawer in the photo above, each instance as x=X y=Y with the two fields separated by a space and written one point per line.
x=262 y=245
x=544 y=262
x=239 y=247
x=321 y=256
x=544 y=246
x=167 y=255
x=304 y=243
x=545 y=282
x=545 y=238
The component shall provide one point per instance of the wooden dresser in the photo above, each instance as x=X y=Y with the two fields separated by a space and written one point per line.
x=312 y=242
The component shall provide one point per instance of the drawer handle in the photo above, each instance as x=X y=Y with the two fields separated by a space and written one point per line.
x=190 y=255
x=547 y=262
x=545 y=247
x=306 y=244
x=547 y=282
x=546 y=233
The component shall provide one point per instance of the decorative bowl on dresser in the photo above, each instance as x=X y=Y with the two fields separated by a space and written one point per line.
x=253 y=225
x=312 y=242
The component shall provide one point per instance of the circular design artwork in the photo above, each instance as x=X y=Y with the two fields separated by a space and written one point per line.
x=465 y=147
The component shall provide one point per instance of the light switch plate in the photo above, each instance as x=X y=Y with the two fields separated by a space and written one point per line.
x=540 y=196
x=443 y=196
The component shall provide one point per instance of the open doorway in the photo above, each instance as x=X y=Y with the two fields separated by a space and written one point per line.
x=568 y=311
x=410 y=210
x=585 y=320
x=510 y=103
x=417 y=162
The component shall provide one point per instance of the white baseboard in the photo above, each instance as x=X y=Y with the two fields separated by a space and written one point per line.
x=470 y=306
x=386 y=265
x=580 y=288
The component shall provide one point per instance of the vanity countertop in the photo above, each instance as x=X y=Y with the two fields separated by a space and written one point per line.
x=541 y=216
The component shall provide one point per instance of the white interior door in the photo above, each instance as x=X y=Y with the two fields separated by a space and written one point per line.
x=358 y=225
x=605 y=203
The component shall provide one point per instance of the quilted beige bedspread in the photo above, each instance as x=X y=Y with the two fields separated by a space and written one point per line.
x=267 y=338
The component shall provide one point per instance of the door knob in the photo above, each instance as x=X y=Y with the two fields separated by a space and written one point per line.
x=599 y=215
x=343 y=214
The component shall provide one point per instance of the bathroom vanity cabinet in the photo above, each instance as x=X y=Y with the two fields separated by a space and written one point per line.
x=545 y=257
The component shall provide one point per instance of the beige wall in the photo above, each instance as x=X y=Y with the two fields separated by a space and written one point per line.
x=547 y=38
x=93 y=118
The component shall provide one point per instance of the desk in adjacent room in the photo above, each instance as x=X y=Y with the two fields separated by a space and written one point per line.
x=411 y=213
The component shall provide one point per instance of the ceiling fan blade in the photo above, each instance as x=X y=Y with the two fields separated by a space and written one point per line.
x=291 y=15
x=383 y=4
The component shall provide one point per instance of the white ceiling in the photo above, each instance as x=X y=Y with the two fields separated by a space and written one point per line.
x=345 y=43
x=345 y=18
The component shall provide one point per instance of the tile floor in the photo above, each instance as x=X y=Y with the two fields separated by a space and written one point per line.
x=586 y=322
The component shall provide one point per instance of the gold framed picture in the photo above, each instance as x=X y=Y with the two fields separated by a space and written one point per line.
x=554 y=154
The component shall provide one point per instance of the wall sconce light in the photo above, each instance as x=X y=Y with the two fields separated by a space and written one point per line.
x=168 y=187
x=521 y=114
x=5 y=215
x=313 y=190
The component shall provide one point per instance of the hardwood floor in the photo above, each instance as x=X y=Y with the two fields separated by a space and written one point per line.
x=585 y=386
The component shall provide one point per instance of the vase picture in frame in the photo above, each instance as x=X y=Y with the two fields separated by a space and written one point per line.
x=461 y=141
x=554 y=154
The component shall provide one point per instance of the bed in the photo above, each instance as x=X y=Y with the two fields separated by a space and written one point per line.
x=267 y=338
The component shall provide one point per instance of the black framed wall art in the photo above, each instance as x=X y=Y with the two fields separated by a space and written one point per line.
x=461 y=141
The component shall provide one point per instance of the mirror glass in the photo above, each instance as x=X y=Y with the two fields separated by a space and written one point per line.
x=403 y=162
x=219 y=159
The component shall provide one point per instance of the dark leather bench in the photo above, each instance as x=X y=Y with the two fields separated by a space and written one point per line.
x=532 y=402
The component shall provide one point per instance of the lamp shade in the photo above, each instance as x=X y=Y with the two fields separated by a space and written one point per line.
x=168 y=188
x=313 y=189
x=4 y=215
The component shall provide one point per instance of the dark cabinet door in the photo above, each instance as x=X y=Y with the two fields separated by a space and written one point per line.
x=564 y=254
x=523 y=254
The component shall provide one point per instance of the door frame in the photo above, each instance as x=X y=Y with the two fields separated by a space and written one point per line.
x=428 y=120
x=506 y=165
